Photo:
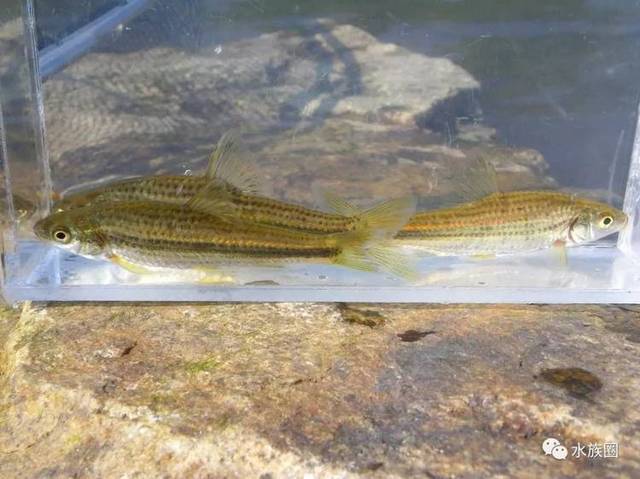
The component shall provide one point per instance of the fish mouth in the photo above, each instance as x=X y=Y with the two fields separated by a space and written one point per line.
x=625 y=222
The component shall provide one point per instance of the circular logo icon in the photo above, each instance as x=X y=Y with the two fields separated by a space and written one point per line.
x=549 y=444
x=560 y=452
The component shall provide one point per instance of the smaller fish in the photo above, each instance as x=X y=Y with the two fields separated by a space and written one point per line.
x=507 y=223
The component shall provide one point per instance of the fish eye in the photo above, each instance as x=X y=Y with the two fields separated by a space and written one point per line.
x=606 y=221
x=62 y=236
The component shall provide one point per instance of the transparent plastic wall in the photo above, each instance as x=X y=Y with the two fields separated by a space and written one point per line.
x=370 y=100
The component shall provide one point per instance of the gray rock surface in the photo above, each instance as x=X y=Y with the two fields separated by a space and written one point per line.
x=274 y=80
x=285 y=390
x=319 y=104
x=323 y=103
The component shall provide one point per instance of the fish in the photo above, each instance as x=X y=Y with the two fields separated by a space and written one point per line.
x=231 y=188
x=23 y=208
x=502 y=223
x=143 y=235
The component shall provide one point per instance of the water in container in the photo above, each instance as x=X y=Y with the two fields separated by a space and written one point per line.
x=247 y=150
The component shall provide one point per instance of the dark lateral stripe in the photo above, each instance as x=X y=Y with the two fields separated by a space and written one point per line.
x=167 y=246
x=295 y=215
x=507 y=203
x=494 y=231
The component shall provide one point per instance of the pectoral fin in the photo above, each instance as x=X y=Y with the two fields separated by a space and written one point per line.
x=212 y=276
x=559 y=251
x=129 y=266
x=483 y=256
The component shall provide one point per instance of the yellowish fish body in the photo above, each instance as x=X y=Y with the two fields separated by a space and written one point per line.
x=139 y=234
x=492 y=224
x=508 y=223
x=179 y=190
x=229 y=188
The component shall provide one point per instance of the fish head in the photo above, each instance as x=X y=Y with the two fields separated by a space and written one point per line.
x=72 y=230
x=594 y=221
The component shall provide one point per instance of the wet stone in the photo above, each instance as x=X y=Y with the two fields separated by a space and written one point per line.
x=282 y=390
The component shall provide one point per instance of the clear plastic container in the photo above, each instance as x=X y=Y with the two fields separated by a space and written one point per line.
x=370 y=100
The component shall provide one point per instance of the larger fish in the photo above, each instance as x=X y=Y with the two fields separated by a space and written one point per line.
x=230 y=188
x=147 y=234
x=507 y=223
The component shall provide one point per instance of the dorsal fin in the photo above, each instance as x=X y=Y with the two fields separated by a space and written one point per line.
x=480 y=178
x=473 y=179
x=227 y=165
x=227 y=145
x=215 y=198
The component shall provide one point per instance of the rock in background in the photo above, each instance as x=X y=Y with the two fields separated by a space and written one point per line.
x=324 y=102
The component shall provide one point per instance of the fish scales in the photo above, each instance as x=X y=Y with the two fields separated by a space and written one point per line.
x=523 y=213
x=151 y=225
x=188 y=222
x=231 y=189
x=498 y=223
x=180 y=189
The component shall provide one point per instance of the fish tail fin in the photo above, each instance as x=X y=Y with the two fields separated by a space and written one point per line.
x=355 y=258
x=382 y=220
x=385 y=219
x=367 y=247
x=376 y=257
x=388 y=258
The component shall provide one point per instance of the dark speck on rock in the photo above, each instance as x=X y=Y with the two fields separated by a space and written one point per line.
x=373 y=466
x=634 y=338
x=116 y=348
x=411 y=335
x=109 y=386
x=577 y=382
